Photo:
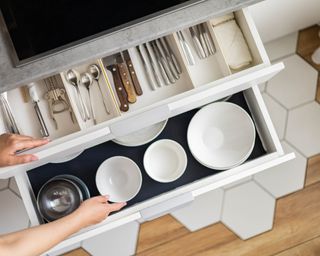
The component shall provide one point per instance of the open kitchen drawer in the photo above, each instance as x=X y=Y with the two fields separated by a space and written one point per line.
x=207 y=81
x=268 y=153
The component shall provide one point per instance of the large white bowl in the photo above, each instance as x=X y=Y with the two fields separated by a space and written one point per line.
x=120 y=178
x=165 y=161
x=221 y=135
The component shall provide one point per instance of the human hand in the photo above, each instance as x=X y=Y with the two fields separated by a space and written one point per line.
x=95 y=210
x=11 y=143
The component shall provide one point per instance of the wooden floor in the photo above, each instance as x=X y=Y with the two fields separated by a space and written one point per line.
x=296 y=229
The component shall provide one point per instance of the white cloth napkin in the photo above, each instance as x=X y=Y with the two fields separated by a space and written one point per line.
x=233 y=45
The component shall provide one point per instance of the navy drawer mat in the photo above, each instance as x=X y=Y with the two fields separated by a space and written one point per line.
x=86 y=165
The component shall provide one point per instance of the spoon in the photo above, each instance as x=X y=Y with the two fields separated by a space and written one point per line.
x=95 y=72
x=73 y=77
x=87 y=80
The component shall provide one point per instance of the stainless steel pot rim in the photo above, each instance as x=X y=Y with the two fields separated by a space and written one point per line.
x=39 y=205
x=79 y=182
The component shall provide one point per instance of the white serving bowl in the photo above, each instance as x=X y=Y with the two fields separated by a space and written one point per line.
x=120 y=178
x=165 y=161
x=221 y=135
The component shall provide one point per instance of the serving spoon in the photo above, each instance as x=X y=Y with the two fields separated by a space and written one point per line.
x=73 y=77
x=87 y=80
x=95 y=72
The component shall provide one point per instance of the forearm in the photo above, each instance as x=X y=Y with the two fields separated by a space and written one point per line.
x=37 y=240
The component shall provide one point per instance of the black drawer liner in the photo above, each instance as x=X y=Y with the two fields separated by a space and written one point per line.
x=86 y=165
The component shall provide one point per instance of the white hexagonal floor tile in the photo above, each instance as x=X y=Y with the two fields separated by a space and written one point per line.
x=263 y=86
x=203 y=211
x=248 y=210
x=238 y=182
x=303 y=129
x=285 y=178
x=13 y=186
x=277 y=113
x=282 y=47
x=4 y=184
x=120 y=241
x=296 y=84
x=13 y=215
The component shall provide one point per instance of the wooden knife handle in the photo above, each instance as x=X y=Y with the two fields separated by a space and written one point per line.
x=134 y=78
x=124 y=105
x=126 y=81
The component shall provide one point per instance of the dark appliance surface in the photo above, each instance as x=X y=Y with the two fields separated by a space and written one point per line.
x=41 y=27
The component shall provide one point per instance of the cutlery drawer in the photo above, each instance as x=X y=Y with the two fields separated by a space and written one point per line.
x=196 y=180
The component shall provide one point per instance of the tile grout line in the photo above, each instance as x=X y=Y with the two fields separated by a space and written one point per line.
x=283 y=57
x=19 y=196
x=265 y=190
x=222 y=204
x=277 y=101
x=296 y=245
x=286 y=125
x=14 y=192
x=295 y=148
x=301 y=105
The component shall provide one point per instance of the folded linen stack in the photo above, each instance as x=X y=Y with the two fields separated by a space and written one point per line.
x=232 y=42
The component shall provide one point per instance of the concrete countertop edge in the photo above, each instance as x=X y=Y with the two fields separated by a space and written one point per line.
x=12 y=77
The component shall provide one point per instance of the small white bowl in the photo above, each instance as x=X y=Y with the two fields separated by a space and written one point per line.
x=165 y=161
x=120 y=178
x=221 y=135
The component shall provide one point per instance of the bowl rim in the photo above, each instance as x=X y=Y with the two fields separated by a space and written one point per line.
x=138 y=172
x=245 y=157
x=179 y=147
x=119 y=142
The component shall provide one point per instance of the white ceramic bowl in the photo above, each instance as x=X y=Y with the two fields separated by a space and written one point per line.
x=120 y=178
x=221 y=135
x=165 y=161
x=141 y=137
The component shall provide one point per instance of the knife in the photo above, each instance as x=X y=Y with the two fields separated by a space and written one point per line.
x=165 y=63
x=126 y=79
x=148 y=66
x=109 y=63
x=172 y=58
x=160 y=62
x=197 y=43
x=203 y=41
x=186 y=49
x=134 y=78
x=155 y=65
x=208 y=39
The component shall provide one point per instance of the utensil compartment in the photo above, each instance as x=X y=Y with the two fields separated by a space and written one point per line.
x=58 y=116
x=152 y=94
x=176 y=129
x=101 y=99
x=214 y=67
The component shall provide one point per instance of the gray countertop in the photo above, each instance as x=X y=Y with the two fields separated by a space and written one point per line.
x=13 y=77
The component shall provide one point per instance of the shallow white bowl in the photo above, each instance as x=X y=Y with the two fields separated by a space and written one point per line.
x=221 y=135
x=165 y=161
x=120 y=178
x=141 y=137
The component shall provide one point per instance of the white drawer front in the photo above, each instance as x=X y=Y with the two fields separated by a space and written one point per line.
x=156 y=206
